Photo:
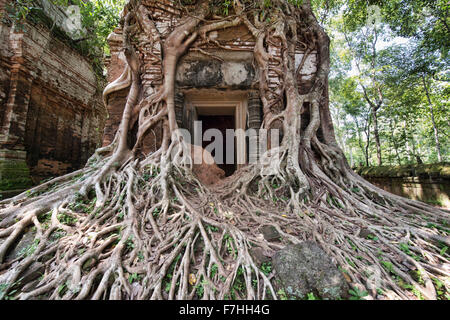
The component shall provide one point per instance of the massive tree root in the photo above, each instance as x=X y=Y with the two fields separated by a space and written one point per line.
x=129 y=226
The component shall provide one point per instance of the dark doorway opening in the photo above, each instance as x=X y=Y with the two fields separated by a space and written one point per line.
x=222 y=123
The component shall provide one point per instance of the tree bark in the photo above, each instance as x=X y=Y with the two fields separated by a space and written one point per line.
x=433 y=121
x=394 y=142
x=377 y=135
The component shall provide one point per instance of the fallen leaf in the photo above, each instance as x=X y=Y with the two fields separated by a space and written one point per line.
x=192 y=279
x=347 y=277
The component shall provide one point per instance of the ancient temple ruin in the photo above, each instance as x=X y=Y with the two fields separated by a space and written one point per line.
x=216 y=80
x=52 y=115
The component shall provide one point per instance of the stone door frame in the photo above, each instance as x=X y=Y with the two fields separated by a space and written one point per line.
x=236 y=100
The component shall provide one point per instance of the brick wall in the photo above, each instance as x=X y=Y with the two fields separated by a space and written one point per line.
x=52 y=115
x=166 y=16
x=426 y=182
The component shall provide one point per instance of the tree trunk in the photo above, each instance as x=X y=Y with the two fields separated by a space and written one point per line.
x=435 y=129
x=367 y=132
x=360 y=142
x=394 y=142
x=377 y=136
x=410 y=151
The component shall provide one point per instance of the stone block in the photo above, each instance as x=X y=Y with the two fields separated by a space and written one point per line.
x=305 y=268
x=14 y=175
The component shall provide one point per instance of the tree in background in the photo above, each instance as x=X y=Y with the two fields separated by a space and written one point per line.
x=409 y=75
x=98 y=19
x=396 y=78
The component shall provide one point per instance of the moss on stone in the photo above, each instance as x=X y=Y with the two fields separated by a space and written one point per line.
x=445 y=172
x=304 y=268
x=437 y=170
x=38 y=16
x=14 y=175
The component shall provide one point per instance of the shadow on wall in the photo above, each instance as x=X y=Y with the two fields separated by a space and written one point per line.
x=52 y=114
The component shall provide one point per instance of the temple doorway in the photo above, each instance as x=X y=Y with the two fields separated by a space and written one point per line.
x=221 y=122
x=238 y=110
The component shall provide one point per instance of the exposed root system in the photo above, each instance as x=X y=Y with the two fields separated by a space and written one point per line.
x=133 y=227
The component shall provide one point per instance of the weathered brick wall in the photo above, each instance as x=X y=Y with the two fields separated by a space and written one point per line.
x=3 y=4
x=236 y=72
x=115 y=65
x=5 y=54
x=427 y=182
x=52 y=115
